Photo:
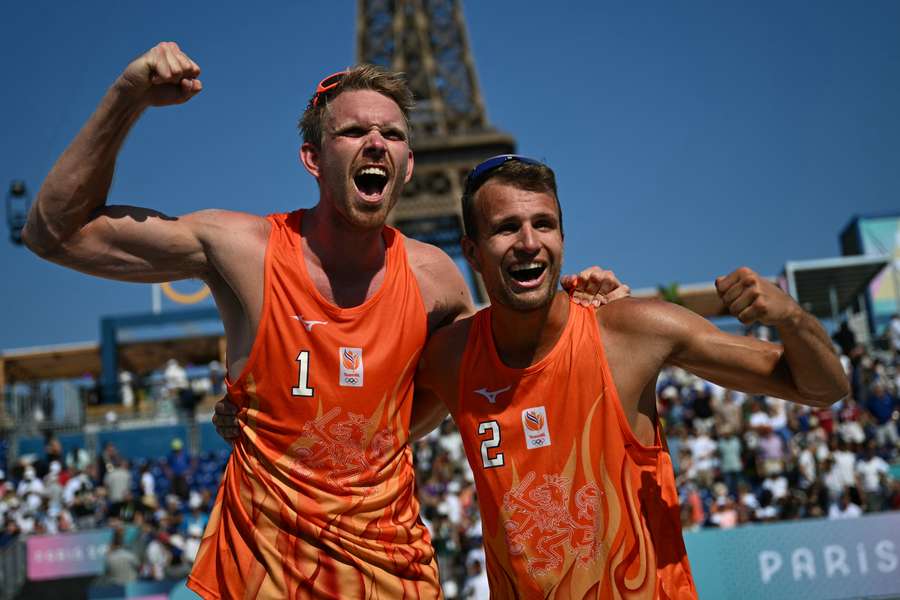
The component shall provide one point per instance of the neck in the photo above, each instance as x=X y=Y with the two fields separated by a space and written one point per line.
x=523 y=338
x=337 y=247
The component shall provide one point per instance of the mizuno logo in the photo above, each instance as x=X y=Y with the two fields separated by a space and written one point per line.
x=308 y=324
x=492 y=395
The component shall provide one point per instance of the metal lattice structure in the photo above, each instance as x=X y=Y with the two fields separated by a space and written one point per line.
x=426 y=39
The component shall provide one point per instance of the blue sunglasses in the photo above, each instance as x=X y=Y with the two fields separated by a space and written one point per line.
x=477 y=175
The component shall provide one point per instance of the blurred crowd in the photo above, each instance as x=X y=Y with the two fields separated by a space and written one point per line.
x=738 y=459
x=157 y=509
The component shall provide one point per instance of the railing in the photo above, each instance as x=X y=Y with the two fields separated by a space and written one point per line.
x=12 y=569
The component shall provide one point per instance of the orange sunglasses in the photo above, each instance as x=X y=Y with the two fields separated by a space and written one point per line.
x=325 y=86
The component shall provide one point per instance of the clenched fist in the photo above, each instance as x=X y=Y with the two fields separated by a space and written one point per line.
x=750 y=298
x=164 y=75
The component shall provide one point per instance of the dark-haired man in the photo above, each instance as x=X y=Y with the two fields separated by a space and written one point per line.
x=575 y=487
x=325 y=312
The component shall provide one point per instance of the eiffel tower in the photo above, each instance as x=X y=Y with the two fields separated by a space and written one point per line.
x=426 y=39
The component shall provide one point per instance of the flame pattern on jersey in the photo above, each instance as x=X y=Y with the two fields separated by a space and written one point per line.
x=595 y=514
x=348 y=451
x=318 y=497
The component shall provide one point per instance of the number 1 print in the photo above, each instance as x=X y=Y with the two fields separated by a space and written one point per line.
x=303 y=388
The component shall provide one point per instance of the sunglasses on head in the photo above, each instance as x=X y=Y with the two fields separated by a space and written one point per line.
x=477 y=175
x=325 y=86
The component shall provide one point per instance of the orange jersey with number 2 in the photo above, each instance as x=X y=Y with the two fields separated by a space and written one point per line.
x=572 y=505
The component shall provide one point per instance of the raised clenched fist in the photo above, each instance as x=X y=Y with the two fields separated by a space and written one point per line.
x=750 y=297
x=163 y=75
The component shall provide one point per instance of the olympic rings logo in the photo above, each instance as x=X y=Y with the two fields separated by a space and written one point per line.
x=176 y=296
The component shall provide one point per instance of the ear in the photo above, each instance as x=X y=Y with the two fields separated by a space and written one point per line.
x=409 y=167
x=470 y=252
x=310 y=157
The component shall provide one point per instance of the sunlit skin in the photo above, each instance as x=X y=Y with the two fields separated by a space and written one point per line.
x=362 y=129
x=516 y=228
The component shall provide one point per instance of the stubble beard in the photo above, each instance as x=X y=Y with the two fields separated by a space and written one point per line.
x=532 y=300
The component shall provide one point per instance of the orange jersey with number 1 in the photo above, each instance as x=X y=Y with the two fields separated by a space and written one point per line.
x=572 y=505
x=318 y=499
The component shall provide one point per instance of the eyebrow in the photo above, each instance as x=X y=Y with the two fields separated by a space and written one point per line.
x=354 y=124
x=510 y=218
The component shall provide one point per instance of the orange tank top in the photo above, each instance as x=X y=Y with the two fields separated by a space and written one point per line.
x=572 y=505
x=318 y=499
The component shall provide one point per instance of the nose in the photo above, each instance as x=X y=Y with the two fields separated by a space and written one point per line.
x=528 y=239
x=375 y=146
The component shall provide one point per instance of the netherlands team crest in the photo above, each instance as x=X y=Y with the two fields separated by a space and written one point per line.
x=351 y=367
x=534 y=423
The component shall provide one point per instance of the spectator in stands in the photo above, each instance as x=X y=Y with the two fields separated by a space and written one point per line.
x=175 y=376
x=109 y=455
x=147 y=483
x=701 y=407
x=723 y=510
x=216 y=378
x=844 y=508
x=845 y=338
x=30 y=489
x=884 y=410
x=703 y=451
x=770 y=453
x=122 y=566
x=849 y=423
x=157 y=556
x=118 y=485
x=730 y=464
x=53 y=488
x=872 y=471
x=126 y=388
x=476 y=586
x=179 y=466
x=197 y=517
x=893 y=335
x=10 y=530
x=806 y=465
x=729 y=417
x=845 y=464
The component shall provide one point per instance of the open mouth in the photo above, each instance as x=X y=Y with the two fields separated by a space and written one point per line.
x=371 y=181
x=527 y=273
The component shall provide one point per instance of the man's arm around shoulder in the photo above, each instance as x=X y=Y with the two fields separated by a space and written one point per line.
x=437 y=377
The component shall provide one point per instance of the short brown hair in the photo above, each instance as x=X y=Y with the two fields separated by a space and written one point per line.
x=361 y=77
x=522 y=175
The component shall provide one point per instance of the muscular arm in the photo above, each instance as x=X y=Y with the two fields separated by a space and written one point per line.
x=643 y=335
x=70 y=223
x=437 y=376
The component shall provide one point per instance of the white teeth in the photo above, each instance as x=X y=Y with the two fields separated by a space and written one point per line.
x=374 y=171
x=523 y=267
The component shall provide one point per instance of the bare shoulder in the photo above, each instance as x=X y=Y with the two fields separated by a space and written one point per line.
x=426 y=257
x=444 y=291
x=636 y=315
x=216 y=224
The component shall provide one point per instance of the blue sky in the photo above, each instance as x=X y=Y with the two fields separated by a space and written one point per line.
x=688 y=138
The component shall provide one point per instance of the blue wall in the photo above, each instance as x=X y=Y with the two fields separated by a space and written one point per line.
x=816 y=558
x=148 y=442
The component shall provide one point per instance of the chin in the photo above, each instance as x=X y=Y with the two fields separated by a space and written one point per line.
x=527 y=301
